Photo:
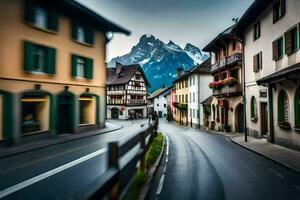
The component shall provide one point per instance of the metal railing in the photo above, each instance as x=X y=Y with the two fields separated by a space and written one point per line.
x=113 y=183
x=226 y=61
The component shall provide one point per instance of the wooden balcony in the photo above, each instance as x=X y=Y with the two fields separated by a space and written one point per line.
x=226 y=91
x=116 y=92
x=235 y=59
x=136 y=102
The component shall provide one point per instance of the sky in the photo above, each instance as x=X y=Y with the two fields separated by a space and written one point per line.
x=182 y=21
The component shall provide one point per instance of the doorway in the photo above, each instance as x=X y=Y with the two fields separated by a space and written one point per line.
x=115 y=113
x=65 y=104
x=264 y=119
x=240 y=118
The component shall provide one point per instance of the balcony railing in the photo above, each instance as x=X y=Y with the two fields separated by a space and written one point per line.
x=116 y=92
x=116 y=101
x=227 y=61
x=228 y=90
x=138 y=92
x=136 y=101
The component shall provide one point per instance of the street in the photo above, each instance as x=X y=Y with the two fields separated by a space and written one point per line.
x=200 y=165
x=59 y=171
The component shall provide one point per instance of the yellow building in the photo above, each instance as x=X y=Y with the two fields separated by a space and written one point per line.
x=180 y=113
x=52 y=70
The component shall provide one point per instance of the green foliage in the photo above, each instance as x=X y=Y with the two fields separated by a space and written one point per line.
x=154 y=150
x=138 y=182
x=181 y=106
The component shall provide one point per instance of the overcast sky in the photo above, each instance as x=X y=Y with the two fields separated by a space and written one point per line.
x=182 y=21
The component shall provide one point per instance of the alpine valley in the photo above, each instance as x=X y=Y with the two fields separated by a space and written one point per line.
x=160 y=61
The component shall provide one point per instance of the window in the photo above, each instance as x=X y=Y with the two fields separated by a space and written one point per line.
x=38 y=15
x=193 y=113
x=234 y=73
x=297 y=108
x=190 y=97
x=157 y=105
x=233 y=45
x=257 y=62
x=283 y=107
x=224 y=51
x=253 y=109
x=291 y=40
x=193 y=97
x=82 y=67
x=278 y=10
x=179 y=98
x=224 y=75
x=216 y=78
x=39 y=58
x=82 y=34
x=193 y=80
x=214 y=112
x=278 y=49
x=190 y=81
x=87 y=108
x=256 y=31
x=165 y=105
x=190 y=112
x=186 y=98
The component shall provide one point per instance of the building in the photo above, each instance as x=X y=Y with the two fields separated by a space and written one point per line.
x=159 y=101
x=180 y=113
x=227 y=104
x=270 y=33
x=126 y=92
x=52 y=71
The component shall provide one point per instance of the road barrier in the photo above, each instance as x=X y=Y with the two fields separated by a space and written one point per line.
x=122 y=165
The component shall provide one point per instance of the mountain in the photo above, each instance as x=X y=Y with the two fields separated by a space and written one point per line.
x=159 y=60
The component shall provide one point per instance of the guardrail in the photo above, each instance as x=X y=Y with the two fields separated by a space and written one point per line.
x=113 y=183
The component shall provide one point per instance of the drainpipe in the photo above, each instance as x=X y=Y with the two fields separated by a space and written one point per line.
x=199 y=101
x=271 y=116
x=244 y=91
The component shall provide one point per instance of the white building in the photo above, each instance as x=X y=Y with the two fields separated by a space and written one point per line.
x=159 y=101
x=126 y=92
x=270 y=33
x=198 y=79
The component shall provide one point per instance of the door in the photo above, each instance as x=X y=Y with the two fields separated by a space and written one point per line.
x=240 y=118
x=65 y=115
x=160 y=114
x=115 y=113
x=264 y=119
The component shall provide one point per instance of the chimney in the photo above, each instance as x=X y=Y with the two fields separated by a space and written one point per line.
x=179 y=72
x=118 y=67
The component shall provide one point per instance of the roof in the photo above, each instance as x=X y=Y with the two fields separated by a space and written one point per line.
x=207 y=101
x=158 y=92
x=203 y=68
x=211 y=46
x=126 y=73
x=250 y=16
x=74 y=8
x=284 y=74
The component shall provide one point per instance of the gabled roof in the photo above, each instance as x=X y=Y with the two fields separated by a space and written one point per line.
x=203 y=68
x=158 y=92
x=211 y=46
x=250 y=16
x=207 y=101
x=126 y=73
x=72 y=7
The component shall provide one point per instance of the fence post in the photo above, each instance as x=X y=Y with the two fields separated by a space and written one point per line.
x=113 y=161
x=144 y=147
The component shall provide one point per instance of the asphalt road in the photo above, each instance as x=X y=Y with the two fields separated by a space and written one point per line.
x=199 y=165
x=59 y=171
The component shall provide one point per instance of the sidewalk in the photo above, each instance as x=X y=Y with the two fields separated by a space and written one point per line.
x=10 y=151
x=284 y=156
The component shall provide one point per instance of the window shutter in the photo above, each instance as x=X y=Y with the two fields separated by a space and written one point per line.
x=53 y=19
x=51 y=60
x=297 y=108
x=260 y=63
x=274 y=14
x=74 y=30
x=89 y=69
x=73 y=65
x=275 y=50
x=28 y=56
x=89 y=35
x=282 y=7
x=252 y=107
x=255 y=62
x=288 y=43
x=29 y=11
x=280 y=105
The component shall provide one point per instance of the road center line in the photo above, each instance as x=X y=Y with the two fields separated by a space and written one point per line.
x=47 y=174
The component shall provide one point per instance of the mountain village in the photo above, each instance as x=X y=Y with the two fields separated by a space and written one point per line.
x=56 y=89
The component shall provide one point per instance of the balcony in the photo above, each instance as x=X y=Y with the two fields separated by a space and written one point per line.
x=116 y=92
x=228 y=91
x=136 y=101
x=227 y=61
x=137 y=92
x=115 y=101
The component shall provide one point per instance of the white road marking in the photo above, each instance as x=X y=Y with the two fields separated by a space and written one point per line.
x=47 y=174
x=160 y=185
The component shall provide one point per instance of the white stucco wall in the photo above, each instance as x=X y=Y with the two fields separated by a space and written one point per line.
x=160 y=105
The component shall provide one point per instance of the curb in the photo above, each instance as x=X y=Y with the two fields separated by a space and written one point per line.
x=152 y=173
x=268 y=157
x=66 y=140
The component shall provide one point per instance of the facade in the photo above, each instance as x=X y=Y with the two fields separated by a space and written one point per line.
x=180 y=113
x=226 y=59
x=270 y=32
x=126 y=92
x=198 y=79
x=52 y=71
x=159 y=100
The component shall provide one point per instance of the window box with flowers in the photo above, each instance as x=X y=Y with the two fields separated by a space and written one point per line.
x=230 y=81
x=216 y=85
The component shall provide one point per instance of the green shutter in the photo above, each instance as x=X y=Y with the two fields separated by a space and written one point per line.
x=73 y=67
x=89 y=69
x=74 y=30
x=53 y=19
x=280 y=105
x=51 y=60
x=297 y=108
x=89 y=35
x=29 y=11
x=252 y=107
x=28 y=56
